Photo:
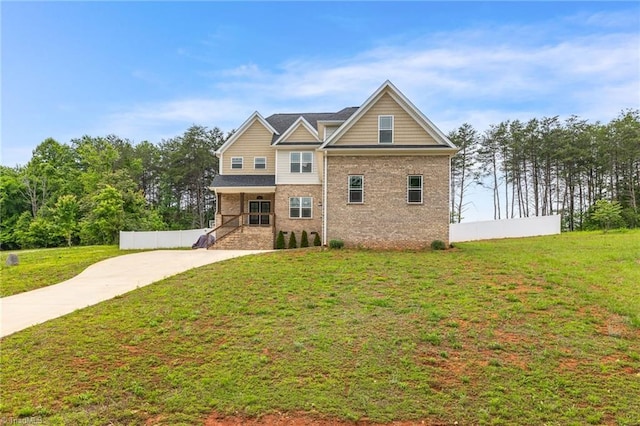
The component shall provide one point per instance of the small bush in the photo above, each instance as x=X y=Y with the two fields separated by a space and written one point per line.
x=293 y=243
x=438 y=245
x=280 y=241
x=304 y=240
x=336 y=244
x=317 y=242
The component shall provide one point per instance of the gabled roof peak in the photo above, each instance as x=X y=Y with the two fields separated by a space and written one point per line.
x=404 y=102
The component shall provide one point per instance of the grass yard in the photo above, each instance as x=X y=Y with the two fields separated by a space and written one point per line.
x=528 y=331
x=40 y=268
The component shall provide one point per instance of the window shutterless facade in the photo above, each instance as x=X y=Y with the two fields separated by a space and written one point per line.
x=301 y=162
x=414 y=189
x=356 y=189
x=259 y=163
x=236 y=162
x=300 y=207
x=385 y=129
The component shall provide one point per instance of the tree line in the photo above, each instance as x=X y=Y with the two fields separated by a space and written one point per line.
x=87 y=191
x=550 y=166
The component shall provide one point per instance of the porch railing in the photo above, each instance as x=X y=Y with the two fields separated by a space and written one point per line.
x=229 y=224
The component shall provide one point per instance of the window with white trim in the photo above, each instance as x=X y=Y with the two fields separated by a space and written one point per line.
x=301 y=162
x=356 y=189
x=259 y=162
x=385 y=129
x=300 y=207
x=414 y=189
x=236 y=162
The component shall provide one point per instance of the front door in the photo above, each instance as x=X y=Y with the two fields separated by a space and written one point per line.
x=256 y=207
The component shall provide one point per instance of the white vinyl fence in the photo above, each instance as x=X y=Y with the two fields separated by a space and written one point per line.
x=159 y=239
x=507 y=228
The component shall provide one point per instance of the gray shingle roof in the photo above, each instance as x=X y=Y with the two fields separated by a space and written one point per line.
x=281 y=122
x=221 y=181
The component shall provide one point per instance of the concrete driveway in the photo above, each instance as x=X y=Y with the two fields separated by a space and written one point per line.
x=102 y=281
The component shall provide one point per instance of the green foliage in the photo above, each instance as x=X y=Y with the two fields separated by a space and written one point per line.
x=336 y=244
x=280 y=241
x=607 y=214
x=106 y=217
x=160 y=186
x=293 y=243
x=304 y=239
x=317 y=242
x=438 y=245
x=12 y=204
x=66 y=216
x=548 y=166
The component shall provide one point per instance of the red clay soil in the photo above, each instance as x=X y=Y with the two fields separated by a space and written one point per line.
x=296 y=419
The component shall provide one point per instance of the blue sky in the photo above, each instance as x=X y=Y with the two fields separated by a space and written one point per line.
x=149 y=70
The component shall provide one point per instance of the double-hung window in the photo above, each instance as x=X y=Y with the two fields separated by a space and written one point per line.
x=385 y=129
x=300 y=207
x=356 y=189
x=414 y=189
x=301 y=162
x=259 y=163
x=236 y=162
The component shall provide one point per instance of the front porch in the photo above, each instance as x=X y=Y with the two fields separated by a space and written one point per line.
x=245 y=215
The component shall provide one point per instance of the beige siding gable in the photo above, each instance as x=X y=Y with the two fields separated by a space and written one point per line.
x=255 y=141
x=300 y=134
x=406 y=130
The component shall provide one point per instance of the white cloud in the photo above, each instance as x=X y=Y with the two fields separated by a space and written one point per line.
x=481 y=76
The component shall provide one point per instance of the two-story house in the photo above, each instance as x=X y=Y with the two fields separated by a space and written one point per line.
x=373 y=176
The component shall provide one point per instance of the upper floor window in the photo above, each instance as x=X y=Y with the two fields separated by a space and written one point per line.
x=300 y=207
x=301 y=162
x=259 y=163
x=236 y=162
x=414 y=189
x=356 y=189
x=385 y=129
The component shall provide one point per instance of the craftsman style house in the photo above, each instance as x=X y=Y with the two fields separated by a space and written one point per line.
x=372 y=176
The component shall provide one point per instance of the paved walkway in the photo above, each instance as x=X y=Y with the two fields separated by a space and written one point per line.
x=102 y=281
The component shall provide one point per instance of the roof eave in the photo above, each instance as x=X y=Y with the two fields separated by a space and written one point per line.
x=238 y=189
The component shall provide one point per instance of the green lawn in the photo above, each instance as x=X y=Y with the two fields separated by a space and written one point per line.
x=40 y=268
x=528 y=331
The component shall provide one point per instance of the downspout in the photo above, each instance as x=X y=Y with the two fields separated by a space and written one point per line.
x=449 y=198
x=324 y=201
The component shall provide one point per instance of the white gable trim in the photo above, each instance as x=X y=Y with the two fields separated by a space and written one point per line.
x=404 y=102
x=254 y=117
x=299 y=122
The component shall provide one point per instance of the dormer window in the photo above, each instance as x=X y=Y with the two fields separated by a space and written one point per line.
x=385 y=129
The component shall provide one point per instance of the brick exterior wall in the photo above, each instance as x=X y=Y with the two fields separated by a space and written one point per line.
x=285 y=224
x=385 y=220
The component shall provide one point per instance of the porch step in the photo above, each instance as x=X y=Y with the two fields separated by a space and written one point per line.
x=246 y=238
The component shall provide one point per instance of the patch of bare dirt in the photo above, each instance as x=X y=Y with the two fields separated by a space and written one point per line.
x=300 y=419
